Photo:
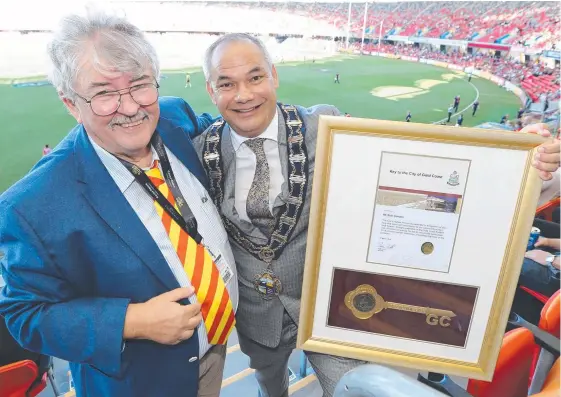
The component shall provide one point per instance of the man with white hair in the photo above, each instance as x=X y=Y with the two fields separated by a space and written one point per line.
x=113 y=256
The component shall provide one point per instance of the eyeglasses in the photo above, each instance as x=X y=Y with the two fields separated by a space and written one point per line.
x=106 y=103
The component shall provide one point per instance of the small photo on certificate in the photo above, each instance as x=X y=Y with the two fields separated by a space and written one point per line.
x=417 y=210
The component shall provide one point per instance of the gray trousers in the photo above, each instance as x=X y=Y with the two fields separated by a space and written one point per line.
x=211 y=369
x=271 y=365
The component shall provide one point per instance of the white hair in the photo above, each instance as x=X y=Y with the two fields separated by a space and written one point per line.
x=115 y=43
x=232 y=38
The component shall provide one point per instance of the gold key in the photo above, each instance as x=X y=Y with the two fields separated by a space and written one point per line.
x=365 y=302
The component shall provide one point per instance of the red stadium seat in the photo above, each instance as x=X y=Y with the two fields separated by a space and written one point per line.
x=545 y=211
x=550 y=315
x=19 y=380
x=512 y=369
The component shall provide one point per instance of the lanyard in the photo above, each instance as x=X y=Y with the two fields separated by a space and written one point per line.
x=186 y=220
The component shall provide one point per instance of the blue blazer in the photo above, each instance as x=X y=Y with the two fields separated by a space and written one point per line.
x=74 y=254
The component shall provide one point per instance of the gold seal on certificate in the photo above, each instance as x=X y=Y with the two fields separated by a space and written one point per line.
x=427 y=248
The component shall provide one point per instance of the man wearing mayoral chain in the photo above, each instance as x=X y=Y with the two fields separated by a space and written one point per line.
x=260 y=160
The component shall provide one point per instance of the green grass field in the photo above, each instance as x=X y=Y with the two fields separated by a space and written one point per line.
x=31 y=117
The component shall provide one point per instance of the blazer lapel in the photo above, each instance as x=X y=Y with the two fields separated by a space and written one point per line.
x=182 y=147
x=102 y=193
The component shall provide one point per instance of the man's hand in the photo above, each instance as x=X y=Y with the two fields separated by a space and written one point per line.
x=162 y=319
x=554 y=243
x=538 y=256
x=547 y=159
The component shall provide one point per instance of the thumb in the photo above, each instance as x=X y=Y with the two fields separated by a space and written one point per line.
x=541 y=241
x=177 y=294
x=544 y=175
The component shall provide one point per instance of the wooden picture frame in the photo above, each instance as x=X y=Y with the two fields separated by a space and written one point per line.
x=369 y=171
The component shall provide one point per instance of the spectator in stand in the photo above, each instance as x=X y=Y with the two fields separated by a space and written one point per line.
x=540 y=269
x=550 y=189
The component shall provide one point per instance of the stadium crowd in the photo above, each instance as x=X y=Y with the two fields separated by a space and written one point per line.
x=526 y=23
x=535 y=78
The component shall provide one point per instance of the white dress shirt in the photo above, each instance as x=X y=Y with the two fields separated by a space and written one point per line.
x=246 y=163
x=209 y=222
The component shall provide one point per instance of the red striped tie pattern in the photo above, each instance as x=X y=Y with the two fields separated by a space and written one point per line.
x=216 y=306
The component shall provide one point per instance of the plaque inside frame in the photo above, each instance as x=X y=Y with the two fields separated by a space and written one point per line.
x=474 y=278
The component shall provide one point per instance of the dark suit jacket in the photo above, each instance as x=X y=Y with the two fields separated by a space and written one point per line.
x=256 y=318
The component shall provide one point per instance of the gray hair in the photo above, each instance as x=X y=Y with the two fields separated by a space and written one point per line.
x=232 y=38
x=114 y=41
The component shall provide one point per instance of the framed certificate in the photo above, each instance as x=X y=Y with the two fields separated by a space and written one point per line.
x=416 y=239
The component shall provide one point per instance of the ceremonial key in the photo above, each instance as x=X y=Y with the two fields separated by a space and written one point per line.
x=365 y=302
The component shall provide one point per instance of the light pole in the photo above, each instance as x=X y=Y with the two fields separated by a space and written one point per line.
x=380 y=35
x=349 y=25
x=364 y=26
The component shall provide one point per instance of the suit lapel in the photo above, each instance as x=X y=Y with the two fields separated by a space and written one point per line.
x=283 y=153
x=104 y=196
x=229 y=166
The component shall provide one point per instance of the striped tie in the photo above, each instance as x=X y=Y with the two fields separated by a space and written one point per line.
x=216 y=306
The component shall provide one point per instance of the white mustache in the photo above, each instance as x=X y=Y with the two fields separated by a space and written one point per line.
x=126 y=120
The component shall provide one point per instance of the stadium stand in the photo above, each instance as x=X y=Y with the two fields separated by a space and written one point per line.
x=528 y=23
x=535 y=79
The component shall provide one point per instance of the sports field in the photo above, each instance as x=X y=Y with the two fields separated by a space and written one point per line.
x=371 y=87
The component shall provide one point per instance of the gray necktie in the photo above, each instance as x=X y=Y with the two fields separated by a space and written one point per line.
x=257 y=205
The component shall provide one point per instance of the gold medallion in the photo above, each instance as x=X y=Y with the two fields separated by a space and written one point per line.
x=427 y=248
